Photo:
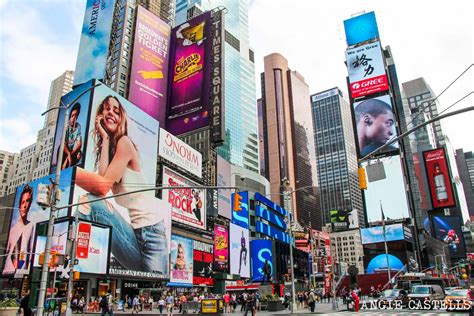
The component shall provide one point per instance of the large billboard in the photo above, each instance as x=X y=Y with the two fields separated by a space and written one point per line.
x=189 y=85
x=378 y=262
x=241 y=217
x=448 y=230
x=149 y=74
x=26 y=214
x=345 y=219
x=224 y=180
x=239 y=251
x=178 y=152
x=262 y=260
x=120 y=158
x=221 y=248
x=203 y=256
x=366 y=70
x=437 y=173
x=181 y=261
x=375 y=125
x=361 y=28
x=95 y=39
x=76 y=132
x=375 y=234
x=188 y=206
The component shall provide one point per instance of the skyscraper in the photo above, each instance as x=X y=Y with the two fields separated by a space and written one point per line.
x=335 y=154
x=241 y=126
x=6 y=170
x=287 y=136
x=59 y=87
x=465 y=165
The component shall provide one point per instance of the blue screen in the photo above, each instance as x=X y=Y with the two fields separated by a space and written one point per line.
x=361 y=28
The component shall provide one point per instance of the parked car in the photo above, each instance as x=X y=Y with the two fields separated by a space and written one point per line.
x=389 y=297
x=458 y=300
x=426 y=294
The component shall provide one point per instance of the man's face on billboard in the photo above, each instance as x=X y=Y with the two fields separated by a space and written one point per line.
x=25 y=204
x=381 y=129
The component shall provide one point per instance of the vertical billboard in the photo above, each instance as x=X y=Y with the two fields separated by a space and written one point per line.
x=217 y=79
x=241 y=216
x=448 y=230
x=221 y=248
x=178 y=152
x=26 y=214
x=239 y=251
x=361 y=28
x=149 y=74
x=95 y=39
x=375 y=125
x=120 y=158
x=188 y=206
x=76 y=132
x=224 y=180
x=181 y=261
x=189 y=86
x=262 y=260
x=203 y=257
x=437 y=173
x=366 y=70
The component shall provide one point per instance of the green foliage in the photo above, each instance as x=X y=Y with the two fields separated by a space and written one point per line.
x=9 y=302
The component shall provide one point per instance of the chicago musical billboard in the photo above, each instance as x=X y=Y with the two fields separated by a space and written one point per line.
x=221 y=248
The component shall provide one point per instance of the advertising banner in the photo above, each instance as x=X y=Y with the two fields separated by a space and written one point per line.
x=58 y=246
x=224 y=180
x=149 y=74
x=188 y=107
x=203 y=256
x=241 y=217
x=181 y=260
x=188 y=206
x=262 y=260
x=239 y=251
x=82 y=240
x=439 y=182
x=366 y=70
x=26 y=214
x=375 y=125
x=271 y=231
x=178 y=152
x=217 y=80
x=270 y=216
x=375 y=234
x=221 y=248
x=361 y=28
x=121 y=157
x=95 y=39
x=378 y=262
x=76 y=133
x=448 y=230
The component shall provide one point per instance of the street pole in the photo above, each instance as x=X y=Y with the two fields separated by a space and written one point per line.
x=333 y=285
x=71 y=266
x=287 y=197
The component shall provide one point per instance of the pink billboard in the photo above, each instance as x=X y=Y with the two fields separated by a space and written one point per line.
x=221 y=247
x=148 y=79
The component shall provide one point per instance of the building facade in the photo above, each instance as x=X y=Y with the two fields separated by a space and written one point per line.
x=7 y=161
x=465 y=165
x=59 y=87
x=347 y=249
x=335 y=154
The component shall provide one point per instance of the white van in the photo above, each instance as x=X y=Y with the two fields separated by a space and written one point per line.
x=426 y=293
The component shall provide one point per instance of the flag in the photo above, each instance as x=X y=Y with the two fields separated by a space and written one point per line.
x=383 y=219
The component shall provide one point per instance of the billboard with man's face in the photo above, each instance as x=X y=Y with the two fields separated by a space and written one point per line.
x=439 y=180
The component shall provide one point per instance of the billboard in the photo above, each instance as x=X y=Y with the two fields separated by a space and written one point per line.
x=361 y=28
x=221 y=248
x=95 y=39
x=375 y=125
x=270 y=216
x=239 y=251
x=271 y=231
x=26 y=214
x=262 y=260
x=178 y=152
x=217 y=79
x=448 y=230
x=366 y=70
x=120 y=157
x=378 y=262
x=437 y=173
x=76 y=133
x=189 y=86
x=149 y=73
x=375 y=234
x=188 y=206
x=241 y=217
x=181 y=261
x=203 y=257
x=224 y=180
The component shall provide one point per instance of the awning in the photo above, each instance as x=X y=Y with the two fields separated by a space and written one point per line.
x=242 y=287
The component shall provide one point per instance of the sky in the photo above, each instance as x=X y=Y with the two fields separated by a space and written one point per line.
x=39 y=40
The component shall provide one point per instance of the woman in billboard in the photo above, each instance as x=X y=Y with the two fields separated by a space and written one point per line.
x=139 y=244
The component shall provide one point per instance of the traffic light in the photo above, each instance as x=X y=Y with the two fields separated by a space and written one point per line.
x=237 y=202
x=362 y=178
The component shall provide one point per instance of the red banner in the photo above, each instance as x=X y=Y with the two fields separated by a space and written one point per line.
x=83 y=238
x=369 y=86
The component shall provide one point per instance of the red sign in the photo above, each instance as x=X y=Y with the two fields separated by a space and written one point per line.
x=369 y=86
x=439 y=182
x=83 y=238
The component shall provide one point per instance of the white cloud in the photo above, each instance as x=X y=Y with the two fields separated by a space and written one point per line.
x=19 y=132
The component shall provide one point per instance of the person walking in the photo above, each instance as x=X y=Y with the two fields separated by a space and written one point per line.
x=136 y=305
x=161 y=305
x=25 y=304
x=226 y=299
x=169 y=304
x=110 y=303
x=311 y=301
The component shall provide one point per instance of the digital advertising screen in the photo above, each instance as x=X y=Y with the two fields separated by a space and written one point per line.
x=203 y=257
x=26 y=214
x=239 y=251
x=181 y=260
x=224 y=180
x=241 y=217
x=361 y=28
x=221 y=248
x=378 y=262
x=149 y=74
x=448 y=230
x=439 y=179
x=375 y=234
x=262 y=260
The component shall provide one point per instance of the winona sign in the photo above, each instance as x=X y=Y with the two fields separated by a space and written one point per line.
x=178 y=152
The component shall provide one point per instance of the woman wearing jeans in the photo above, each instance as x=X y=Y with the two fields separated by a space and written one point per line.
x=139 y=244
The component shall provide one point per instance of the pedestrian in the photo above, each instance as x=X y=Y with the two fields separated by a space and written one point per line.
x=25 y=304
x=161 y=304
x=301 y=299
x=104 y=306
x=311 y=301
x=243 y=301
x=110 y=302
x=136 y=305
x=355 y=298
x=226 y=299
x=82 y=304
x=169 y=304
x=250 y=304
